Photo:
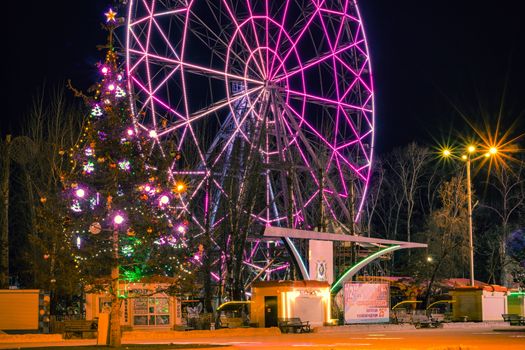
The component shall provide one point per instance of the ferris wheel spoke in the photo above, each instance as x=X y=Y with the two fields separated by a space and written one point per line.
x=314 y=62
x=152 y=99
x=233 y=18
x=148 y=72
x=209 y=32
x=320 y=136
x=299 y=36
x=209 y=110
x=167 y=41
x=356 y=74
x=342 y=20
x=238 y=129
x=195 y=68
x=325 y=101
x=264 y=69
x=356 y=134
x=315 y=180
x=136 y=39
x=278 y=42
x=159 y=86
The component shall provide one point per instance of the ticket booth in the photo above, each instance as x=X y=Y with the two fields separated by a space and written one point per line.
x=274 y=300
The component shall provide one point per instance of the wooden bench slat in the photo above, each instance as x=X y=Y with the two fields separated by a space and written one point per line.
x=294 y=323
x=79 y=327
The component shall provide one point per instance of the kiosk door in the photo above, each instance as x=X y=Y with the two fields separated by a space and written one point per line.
x=270 y=312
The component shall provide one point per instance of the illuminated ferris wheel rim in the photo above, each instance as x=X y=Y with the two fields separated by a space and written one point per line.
x=265 y=73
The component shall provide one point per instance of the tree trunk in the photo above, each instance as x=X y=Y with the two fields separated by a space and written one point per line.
x=114 y=326
x=503 y=260
x=4 y=228
x=207 y=249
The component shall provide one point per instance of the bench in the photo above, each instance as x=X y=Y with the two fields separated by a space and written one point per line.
x=420 y=321
x=402 y=317
x=79 y=327
x=514 y=319
x=295 y=324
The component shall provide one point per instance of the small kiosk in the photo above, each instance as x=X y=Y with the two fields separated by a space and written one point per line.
x=146 y=305
x=486 y=303
x=274 y=300
x=516 y=303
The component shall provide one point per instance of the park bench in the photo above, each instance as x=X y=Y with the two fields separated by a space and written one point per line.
x=421 y=320
x=514 y=319
x=295 y=324
x=79 y=327
x=437 y=318
x=402 y=316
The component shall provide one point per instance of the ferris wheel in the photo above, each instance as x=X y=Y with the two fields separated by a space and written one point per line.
x=276 y=95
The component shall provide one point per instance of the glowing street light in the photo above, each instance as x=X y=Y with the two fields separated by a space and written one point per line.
x=468 y=158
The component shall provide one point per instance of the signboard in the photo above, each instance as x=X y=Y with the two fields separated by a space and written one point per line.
x=321 y=257
x=367 y=302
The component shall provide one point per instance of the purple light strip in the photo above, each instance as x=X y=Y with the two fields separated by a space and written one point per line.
x=294 y=43
x=282 y=267
x=263 y=66
x=233 y=18
x=281 y=27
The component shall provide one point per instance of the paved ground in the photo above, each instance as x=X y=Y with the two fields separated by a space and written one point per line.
x=434 y=339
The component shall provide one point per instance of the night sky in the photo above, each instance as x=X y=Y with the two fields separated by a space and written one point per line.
x=429 y=57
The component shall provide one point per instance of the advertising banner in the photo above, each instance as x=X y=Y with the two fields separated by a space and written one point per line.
x=367 y=302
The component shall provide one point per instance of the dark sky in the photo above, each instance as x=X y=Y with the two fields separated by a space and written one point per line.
x=428 y=55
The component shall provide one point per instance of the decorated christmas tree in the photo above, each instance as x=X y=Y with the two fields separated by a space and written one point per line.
x=123 y=223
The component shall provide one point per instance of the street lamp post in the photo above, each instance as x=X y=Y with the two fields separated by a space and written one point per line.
x=471 y=149
x=470 y=229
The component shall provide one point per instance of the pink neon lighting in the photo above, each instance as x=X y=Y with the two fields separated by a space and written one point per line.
x=313 y=99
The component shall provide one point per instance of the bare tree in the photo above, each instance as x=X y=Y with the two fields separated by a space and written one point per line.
x=408 y=165
x=374 y=195
x=446 y=235
x=52 y=127
x=508 y=186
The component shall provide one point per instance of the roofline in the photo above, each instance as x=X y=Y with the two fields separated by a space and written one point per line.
x=272 y=231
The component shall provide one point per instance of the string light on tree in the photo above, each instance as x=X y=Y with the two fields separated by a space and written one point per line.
x=120 y=92
x=89 y=167
x=119 y=219
x=124 y=165
x=164 y=200
x=96 y=111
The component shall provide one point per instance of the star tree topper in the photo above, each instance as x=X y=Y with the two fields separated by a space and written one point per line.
x=111 y=16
